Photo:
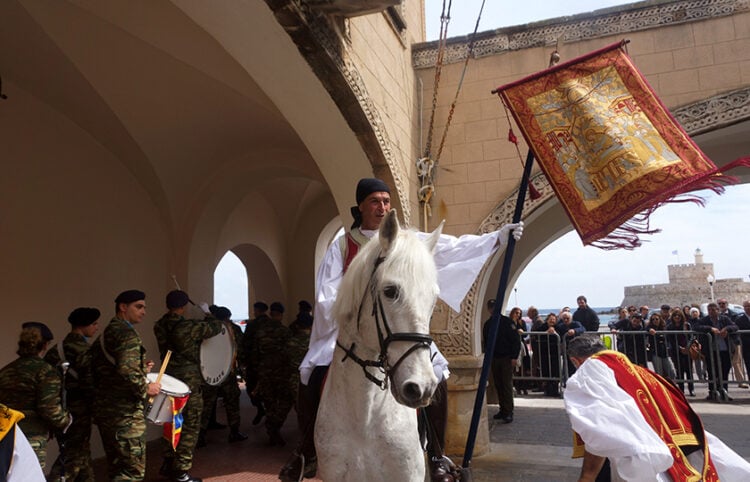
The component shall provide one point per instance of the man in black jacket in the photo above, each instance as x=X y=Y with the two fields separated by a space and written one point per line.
x=721 y=329
x=504 y=359
x=585 y=315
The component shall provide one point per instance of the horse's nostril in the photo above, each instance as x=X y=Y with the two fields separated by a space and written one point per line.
x=412 y=391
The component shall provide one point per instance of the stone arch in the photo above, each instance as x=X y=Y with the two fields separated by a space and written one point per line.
x=263 y=282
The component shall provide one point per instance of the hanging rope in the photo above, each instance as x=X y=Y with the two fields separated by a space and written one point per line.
x=426 y=165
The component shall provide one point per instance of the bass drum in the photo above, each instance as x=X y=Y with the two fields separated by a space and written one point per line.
x=217 y=356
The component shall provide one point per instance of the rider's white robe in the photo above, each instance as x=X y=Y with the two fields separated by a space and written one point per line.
x=458 y=261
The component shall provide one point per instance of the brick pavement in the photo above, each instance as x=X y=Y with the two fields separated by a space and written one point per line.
x=534 y=448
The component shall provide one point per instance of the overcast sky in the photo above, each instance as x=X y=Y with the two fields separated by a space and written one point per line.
x=565 y=269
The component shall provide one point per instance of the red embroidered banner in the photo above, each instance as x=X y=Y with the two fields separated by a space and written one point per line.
x=611 y=151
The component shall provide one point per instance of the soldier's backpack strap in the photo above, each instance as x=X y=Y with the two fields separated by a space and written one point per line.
x=109 y=357
x=61 y=351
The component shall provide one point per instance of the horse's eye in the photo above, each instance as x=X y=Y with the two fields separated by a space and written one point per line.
x=391 y=292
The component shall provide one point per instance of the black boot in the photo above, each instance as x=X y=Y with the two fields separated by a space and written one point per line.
x=235 y=435
x=260 y=414
x=275 y=438
x=442 y=469
x=182 y=476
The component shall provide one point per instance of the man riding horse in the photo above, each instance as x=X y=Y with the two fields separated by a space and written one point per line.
x=458 y=261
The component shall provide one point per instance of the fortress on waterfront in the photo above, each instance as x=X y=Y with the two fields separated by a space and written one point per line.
x=688 y=285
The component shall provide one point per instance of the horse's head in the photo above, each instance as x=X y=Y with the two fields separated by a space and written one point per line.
x=393 y=289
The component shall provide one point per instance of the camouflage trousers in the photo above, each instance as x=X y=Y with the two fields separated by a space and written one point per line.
x=39 y=445
x=182 y=456
x=278 y=399
x=77 y=450
x=230 y=392
x=124 y=440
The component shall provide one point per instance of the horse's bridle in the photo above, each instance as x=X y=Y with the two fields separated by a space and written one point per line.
x=420 y=340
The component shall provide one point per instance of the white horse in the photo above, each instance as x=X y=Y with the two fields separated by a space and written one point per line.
x=365 y=432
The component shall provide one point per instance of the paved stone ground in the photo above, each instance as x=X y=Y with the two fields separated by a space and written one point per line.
x=536 y=447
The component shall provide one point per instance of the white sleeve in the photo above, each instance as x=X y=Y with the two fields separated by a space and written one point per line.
x=324 y=330
x=459 y=261
x=439 y=363
x=24 y=467
x=611 y=424
x=729 y=465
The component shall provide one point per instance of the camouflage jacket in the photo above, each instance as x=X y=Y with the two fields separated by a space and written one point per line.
x=246 y=346
x=269 y=351
x=32 y=386
x=79 y=384
x=184 y=338
x=119 y=368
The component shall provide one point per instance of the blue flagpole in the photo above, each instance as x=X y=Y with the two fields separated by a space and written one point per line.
x=495 y=319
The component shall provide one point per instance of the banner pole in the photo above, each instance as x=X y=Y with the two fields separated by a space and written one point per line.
x=495 y=319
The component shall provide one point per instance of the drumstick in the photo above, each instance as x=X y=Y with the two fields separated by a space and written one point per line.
x=174 y=278
x=161 y=372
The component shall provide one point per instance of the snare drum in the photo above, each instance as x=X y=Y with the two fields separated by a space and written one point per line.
x=217 y=356
x=160 y=411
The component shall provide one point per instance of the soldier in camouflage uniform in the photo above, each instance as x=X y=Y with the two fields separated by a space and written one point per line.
x=79 y=387
x=32 y=386
x=229 y=390
x=260 y=316
x=297 y=348
x=269 y=354
x=119 y=371
x=184 y=337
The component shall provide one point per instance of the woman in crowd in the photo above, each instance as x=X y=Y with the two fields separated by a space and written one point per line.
x=548 y=347
x=680 y=349
x=32 y=386
x=659 y=347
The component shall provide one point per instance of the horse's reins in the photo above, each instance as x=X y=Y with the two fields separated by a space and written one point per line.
x=420 y=340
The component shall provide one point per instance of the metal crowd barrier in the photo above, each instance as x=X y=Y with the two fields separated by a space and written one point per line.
x=720 y=363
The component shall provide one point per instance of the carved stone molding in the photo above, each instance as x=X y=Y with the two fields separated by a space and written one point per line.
x=319 y=39
x=456 y=339
x=585 y=26
x=715 y=112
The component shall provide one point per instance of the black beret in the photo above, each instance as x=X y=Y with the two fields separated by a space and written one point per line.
x=220 y=312
x=83 y=316
x=130 y=296
x=304 y=320
x=277 y=307
x=177 y=299
x=304 y=305
x=43 y=329
x=259 y=305
x=369 y=185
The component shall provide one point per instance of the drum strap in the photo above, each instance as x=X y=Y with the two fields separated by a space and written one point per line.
x=109 y=357
x=61 y=351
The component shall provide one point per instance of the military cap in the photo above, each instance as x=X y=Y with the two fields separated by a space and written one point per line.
x=304 y=305
x=259 y=305
x=220 y=312
x=304 y=320
x=83 y=316
x=177 y=299
x=43 y=329
x=130 y=296
x=277 y=307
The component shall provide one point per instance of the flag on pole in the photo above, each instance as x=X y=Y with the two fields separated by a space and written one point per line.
x=173 y=430
x=610 y=149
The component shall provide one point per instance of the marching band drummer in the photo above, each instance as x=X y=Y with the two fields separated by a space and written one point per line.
x=119 y=373
x=184 y=337
x=32 y=386
x=458 y=261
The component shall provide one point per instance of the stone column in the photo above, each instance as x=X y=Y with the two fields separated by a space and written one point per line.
x=462 y=389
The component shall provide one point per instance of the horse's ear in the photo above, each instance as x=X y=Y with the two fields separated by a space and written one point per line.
x=388 y=230
x=432 y=239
